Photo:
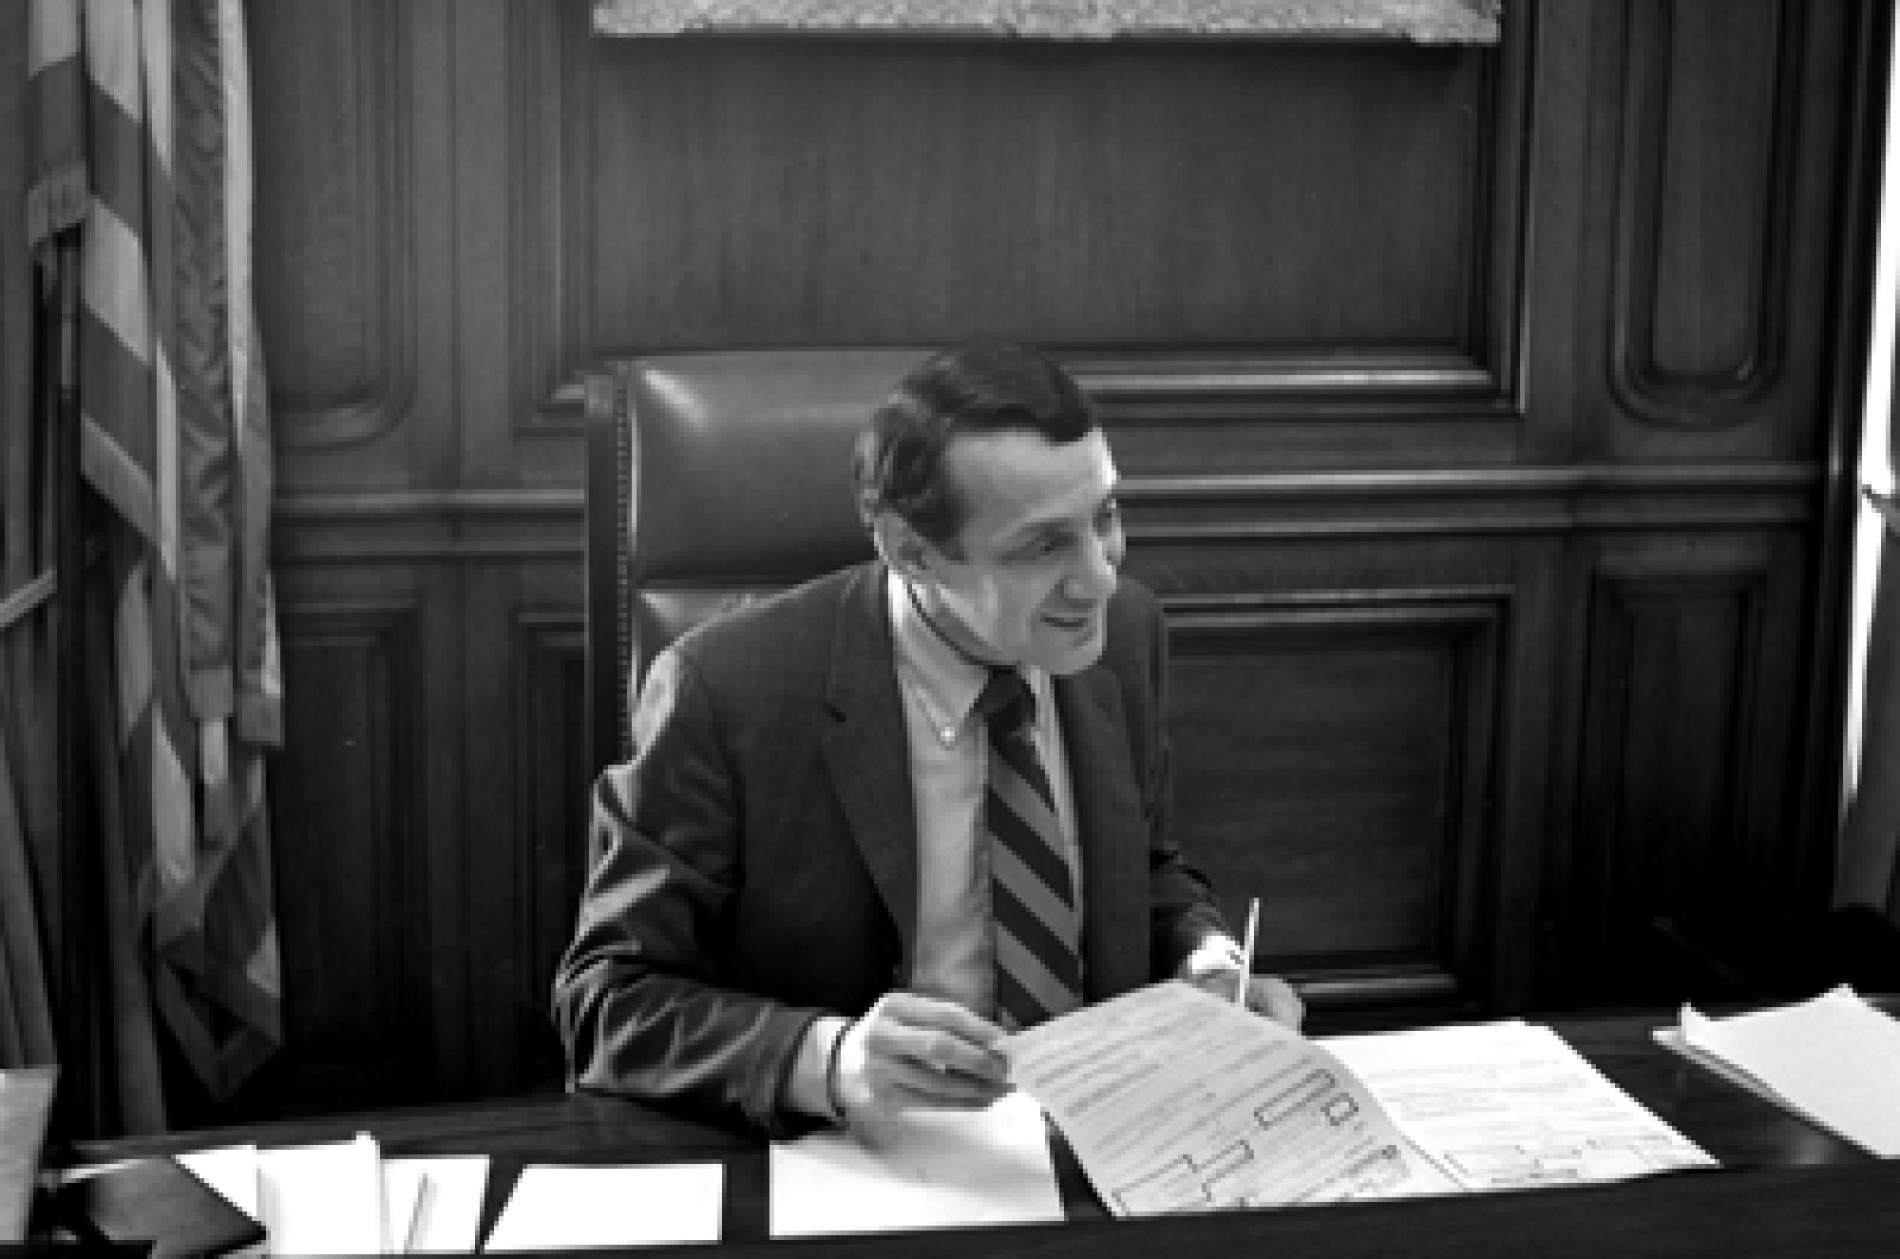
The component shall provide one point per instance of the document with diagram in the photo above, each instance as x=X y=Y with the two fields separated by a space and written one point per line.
x=1177 y=1101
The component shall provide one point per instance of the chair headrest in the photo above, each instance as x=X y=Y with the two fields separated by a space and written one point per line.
x=742 y=460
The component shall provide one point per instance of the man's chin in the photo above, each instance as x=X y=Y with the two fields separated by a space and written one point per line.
x=1073 y=654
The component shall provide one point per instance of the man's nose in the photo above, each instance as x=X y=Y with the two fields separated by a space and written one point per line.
x=1094 y=576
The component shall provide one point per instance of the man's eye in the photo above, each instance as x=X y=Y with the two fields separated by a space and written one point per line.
x=1042 y=548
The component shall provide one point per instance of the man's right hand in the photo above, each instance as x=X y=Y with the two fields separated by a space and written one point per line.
x=910 y=1052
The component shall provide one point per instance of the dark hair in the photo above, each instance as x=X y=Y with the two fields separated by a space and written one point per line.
x=981 y=387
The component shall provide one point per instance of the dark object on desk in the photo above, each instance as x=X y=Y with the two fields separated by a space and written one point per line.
x=157 y=1200
x=26 y=1099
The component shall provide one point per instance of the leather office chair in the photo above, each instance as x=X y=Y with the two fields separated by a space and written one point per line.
x=713 y=478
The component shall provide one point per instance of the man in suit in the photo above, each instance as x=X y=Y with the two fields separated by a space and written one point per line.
x=878 y=819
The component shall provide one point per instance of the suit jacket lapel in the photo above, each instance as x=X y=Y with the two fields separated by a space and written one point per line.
x=866 y=750
x=1110 y=833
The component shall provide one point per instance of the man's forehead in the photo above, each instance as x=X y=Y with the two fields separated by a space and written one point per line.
x=1019 y=481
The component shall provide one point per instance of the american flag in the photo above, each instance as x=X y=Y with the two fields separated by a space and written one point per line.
x=142 y=127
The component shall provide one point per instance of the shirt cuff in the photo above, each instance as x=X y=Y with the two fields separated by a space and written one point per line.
x=805 y=1092
x=1216 y=954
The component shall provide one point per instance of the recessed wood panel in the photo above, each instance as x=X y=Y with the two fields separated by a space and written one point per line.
x=1334 y=760
x=350 y=884
x=1669 y=730
x=555 y=794
x=1704 y=244
x=752 y=192
x=334 y=248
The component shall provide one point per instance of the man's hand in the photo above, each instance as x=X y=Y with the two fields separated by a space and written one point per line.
x=1266 y=995
x=1215 y=968
x=911 y=1052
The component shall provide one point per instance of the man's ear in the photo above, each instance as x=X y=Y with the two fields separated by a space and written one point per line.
x=902 y=547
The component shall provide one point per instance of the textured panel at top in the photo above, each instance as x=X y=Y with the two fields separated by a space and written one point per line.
x=1471 y=21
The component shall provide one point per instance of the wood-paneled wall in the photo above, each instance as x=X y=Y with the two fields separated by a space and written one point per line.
x=1483 y=414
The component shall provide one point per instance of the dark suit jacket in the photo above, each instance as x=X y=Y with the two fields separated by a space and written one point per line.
x=755 y=864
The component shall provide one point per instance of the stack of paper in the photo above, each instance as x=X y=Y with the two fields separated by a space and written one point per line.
x=344 y=1198
x=1834 y=1060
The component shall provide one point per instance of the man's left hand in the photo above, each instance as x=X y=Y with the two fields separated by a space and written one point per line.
x=1266 y=995
x=1214 y=967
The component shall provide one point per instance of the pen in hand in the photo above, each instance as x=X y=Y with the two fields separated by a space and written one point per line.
x=1246 y=953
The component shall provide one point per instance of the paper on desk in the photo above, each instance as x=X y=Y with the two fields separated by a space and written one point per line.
x=429 y=1204
x=324 y=1199
x=232 y=1171
x=924 y=1169
x=1512 y=1106
x=1175 y=1100
x=1834 y=1059
x=561 y=1208
x=446 y=1193
x=402 y=1197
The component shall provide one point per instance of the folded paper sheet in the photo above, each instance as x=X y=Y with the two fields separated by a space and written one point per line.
x=1834 y=1060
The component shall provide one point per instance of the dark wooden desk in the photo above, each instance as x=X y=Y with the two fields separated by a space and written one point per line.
x=1785 y=1189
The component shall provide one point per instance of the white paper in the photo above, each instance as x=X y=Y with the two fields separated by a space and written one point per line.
x=1512 y=1106
x=322 y=1199
x=402 y=1196
x=562 y=1208
x=1175 y=1100
x=231 y=1170
x=924 y=1169
x=447 y=1193
x=1834 y=1059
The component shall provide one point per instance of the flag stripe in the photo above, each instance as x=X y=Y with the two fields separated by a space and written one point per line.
x=172 y=391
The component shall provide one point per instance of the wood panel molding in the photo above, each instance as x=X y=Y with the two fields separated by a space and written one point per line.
x=1705 y=232
x=552 y=794
x=551 y=247
x=546 y=524
x=1336 y=754
x=336 y=235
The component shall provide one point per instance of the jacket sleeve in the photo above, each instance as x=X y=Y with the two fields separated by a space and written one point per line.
x=639 y=998
x=1182 y=912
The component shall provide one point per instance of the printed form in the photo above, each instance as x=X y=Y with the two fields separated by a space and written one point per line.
x=1178 y=1101
x=1511 y=1105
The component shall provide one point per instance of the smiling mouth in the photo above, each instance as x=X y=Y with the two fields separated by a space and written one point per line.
x=1071 y=624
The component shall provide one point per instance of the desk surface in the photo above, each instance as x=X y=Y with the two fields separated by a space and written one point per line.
x=1785 y=1188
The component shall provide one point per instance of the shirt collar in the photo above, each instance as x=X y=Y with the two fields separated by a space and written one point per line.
x=942 y=679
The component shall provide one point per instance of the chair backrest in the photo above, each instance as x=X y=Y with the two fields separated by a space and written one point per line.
x=713 y=478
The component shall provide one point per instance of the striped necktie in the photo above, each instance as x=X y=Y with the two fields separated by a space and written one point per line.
x=1038 y=955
